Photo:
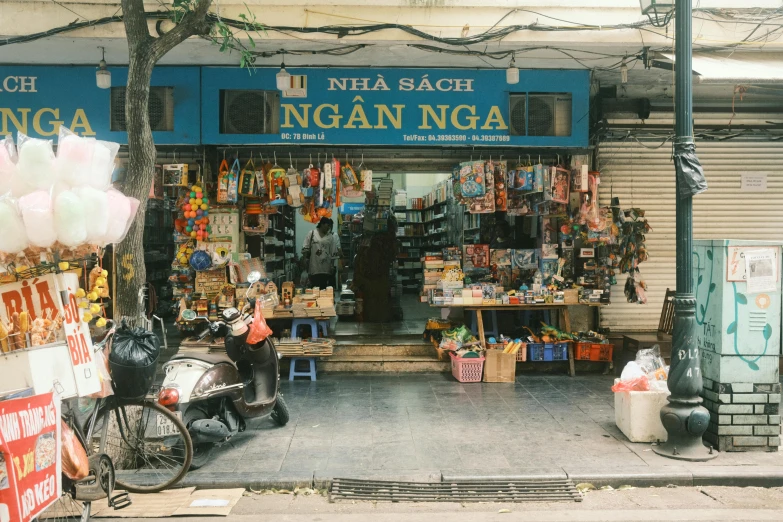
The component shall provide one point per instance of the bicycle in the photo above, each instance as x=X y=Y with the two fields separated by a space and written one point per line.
x=136 y=445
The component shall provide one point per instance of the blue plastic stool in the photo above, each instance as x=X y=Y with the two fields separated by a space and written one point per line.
x=312 y=323
x=309 y=373
x=487 y=332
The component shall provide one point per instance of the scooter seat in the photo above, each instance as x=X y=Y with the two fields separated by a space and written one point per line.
x=210 y=358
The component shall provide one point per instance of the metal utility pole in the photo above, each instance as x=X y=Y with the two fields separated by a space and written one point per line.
x=684 y=418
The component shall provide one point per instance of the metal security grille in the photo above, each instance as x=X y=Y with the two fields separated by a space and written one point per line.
x=642 y=175
x=479 y=491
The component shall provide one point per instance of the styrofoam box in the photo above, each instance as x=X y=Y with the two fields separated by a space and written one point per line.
x=638 y=415
x=43 y=368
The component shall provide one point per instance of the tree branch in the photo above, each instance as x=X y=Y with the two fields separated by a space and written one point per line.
x=193 y=22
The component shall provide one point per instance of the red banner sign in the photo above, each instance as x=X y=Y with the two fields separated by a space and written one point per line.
x=29 y=456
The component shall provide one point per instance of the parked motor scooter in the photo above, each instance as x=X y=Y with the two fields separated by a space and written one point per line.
x=217 y=393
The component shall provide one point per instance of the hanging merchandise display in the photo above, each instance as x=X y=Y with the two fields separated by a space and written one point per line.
x=247 y=179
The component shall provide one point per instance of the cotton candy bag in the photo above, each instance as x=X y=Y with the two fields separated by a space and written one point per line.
x=8 y=160
x=96 y=210
x=35 y=169
x=85 y=161
x=13 y=238
x=70 y=219
x=38 y=218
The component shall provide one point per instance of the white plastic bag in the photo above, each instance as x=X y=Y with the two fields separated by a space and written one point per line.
x=632 y=371
x=38 y=217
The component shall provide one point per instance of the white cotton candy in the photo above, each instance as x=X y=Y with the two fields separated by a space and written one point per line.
x=38 y=217
x=12 y=238
x=36 y=163
x=96 y=209
x=75 y=158
x=70 y=219
x=102 y=164
x=7 y=168
x=120 y=206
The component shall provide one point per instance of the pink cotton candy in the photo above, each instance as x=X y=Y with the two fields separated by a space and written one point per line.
x=120 y=211
x=38 y=217
x=74 y=159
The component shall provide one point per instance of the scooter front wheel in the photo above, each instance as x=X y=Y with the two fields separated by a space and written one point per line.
x=280 y=412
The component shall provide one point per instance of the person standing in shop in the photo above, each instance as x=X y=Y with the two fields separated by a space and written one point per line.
x=320 y=252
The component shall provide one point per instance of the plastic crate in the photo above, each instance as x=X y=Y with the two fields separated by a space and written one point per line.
x=560 y=352
x=522 y=353
x=548 y=352
x=593 y=352
x=467 y=369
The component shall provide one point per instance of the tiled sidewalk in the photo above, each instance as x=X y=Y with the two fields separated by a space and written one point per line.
x=402 y=425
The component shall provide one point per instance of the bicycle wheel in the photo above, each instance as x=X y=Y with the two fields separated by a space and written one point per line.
x=144 y=441
x=66 y=509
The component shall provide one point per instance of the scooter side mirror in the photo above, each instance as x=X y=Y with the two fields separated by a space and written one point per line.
x=189 y=315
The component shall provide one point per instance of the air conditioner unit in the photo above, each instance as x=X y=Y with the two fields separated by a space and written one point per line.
x=250 y=112
x=518 y=114
x=161 y=109
x=549 y=114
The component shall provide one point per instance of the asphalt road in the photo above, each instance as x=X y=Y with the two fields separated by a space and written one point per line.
x=632 y=505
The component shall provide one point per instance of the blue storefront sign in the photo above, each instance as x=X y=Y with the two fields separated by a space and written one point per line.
x=325 y=106
x=36 y=100
x=430 y=107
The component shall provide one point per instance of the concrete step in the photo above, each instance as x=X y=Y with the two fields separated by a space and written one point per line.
x=419 y=349
x=383 y=363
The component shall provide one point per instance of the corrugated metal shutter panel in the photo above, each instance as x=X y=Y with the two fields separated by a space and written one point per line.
x=644 y=177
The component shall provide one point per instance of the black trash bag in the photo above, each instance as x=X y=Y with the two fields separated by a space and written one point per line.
x=690 y=176
x=133 y=362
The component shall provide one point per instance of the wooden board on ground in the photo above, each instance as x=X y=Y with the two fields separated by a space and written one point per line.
x=175 y=502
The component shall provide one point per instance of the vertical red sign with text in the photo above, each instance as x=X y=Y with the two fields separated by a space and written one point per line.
x=30 y=467
x=77 y=335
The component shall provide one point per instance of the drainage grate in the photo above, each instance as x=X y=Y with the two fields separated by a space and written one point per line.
x=478 y=491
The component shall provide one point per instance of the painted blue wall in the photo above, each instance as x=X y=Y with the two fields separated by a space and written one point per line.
x=33 y=99
x=341 y=106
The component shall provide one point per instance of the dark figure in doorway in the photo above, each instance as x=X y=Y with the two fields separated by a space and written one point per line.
x=320 y=251
x=502 y=236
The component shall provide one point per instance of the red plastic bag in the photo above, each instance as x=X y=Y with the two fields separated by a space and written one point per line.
x=637 y=384
x=259 y=330
x=74 y=458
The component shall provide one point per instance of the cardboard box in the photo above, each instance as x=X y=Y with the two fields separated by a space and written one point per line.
x=499 y=366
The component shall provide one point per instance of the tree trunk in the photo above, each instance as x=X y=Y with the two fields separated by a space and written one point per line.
x=143 y=52
x=131 y=271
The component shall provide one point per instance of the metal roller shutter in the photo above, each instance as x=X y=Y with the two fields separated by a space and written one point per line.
x=643 y=176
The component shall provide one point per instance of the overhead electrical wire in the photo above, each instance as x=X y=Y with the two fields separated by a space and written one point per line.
x=493 y=34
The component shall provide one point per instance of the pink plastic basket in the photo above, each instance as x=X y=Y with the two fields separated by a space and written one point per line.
x=467 y=369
